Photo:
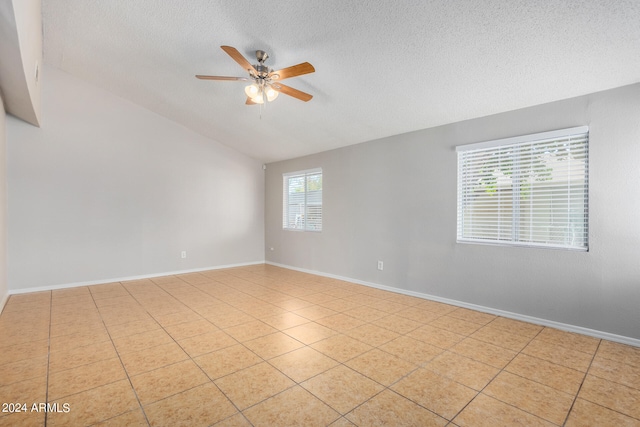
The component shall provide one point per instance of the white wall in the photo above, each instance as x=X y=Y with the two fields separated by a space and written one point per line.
x=394 y=200
x=106 y=189
x=4 y=290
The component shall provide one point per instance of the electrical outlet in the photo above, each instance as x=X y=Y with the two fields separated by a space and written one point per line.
x=183 y=254
x=380 y=265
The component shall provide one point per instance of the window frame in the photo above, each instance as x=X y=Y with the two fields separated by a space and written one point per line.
x=285 y=199
x=502 y=147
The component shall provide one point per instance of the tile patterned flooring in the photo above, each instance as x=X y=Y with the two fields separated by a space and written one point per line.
x=265 y=346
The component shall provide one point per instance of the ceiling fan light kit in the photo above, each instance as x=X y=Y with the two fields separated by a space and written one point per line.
x=265 y=86
x=259 y=94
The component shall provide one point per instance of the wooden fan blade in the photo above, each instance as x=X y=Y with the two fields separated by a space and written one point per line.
x=293 y=71
x=244 y=79
x=237 y=56
x=250 y=102
x=288 y=90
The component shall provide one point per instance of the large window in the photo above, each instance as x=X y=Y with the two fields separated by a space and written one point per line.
x=302 y=200
x=528 y=191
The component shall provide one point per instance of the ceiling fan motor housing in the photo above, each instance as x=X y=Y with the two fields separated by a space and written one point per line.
x=262 y=71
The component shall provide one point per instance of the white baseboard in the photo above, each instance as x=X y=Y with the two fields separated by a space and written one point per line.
x=124 y=279
x=529 y=319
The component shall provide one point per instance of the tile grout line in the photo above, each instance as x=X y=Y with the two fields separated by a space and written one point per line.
x=252 y=292
x=211 y=380
x=343 y=333
x=586 y=372
x=278 y=330
x=296 y=383
x=46 y=396
x=496 y=375
x=421 y=366
x=120 y=358
x=488 y=382
x=385 y=387
x=611 y=380
x=178 y=344
x=537 y=382
x=424 y=364
x=241 y=412
x=264 y=360
x=465 y=338
x=575 y=397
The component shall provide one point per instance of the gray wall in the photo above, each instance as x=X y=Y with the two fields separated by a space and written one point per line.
x=4 y=290
x=106 y=189
x=394 y=200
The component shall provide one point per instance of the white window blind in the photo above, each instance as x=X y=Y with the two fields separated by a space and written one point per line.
x=302 y=200
x=528 y=191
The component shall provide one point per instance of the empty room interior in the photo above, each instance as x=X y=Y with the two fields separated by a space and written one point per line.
x=369 y=213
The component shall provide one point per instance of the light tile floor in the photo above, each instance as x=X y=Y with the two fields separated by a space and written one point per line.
x=266 y=346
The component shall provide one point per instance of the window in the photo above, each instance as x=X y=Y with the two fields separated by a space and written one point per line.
x=302 y=200
x=527 y=191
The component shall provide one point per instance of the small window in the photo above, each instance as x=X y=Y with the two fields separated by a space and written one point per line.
x=302 y=200
x=526 y=191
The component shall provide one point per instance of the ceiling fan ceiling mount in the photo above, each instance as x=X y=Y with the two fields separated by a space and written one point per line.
x=261 y=56
x=266 y=85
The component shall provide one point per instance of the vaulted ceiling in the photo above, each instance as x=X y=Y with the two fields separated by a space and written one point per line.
x=383 y=67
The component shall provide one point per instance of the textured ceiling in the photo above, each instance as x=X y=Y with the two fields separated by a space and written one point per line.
x=383 y=67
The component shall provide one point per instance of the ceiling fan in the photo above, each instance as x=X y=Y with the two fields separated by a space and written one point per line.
x=265 y=85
